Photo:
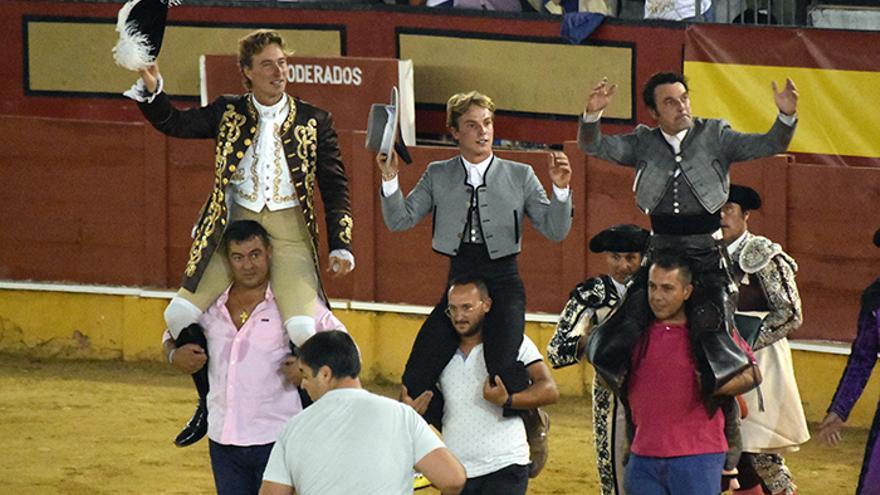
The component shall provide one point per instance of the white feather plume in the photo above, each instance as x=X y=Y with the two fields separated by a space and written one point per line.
x=132 y=51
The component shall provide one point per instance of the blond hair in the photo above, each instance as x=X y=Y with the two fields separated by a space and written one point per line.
x=459 y=103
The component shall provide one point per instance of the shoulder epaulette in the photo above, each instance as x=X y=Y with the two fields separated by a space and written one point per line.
x=757 y=253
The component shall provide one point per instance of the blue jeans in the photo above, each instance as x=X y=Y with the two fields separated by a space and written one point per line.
x=238 y=470
x=686 y=475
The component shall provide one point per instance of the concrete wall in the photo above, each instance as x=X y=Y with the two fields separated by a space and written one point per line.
x=843 y=17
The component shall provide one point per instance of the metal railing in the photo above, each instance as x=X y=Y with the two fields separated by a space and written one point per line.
x=758 y=12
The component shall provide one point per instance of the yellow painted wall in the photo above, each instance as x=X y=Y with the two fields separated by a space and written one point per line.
x=92 y=326
x=55 y=64
x=509 y=71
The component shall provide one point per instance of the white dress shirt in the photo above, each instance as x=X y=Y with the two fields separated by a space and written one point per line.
x=621 y=288
x=733 y=246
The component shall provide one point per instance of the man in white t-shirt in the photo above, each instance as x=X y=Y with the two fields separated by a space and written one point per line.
x=493 y=448
x=350 y=440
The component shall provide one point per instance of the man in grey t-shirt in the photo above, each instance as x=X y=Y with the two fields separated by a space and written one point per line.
x=350 y=440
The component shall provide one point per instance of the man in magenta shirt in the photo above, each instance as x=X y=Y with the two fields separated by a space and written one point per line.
x=679 y=445
x=253 y=377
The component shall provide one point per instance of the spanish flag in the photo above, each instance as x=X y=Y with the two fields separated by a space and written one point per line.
x=837 y=74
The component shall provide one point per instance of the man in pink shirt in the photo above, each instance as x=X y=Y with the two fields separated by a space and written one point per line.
x=679 y=443
x=253 y=376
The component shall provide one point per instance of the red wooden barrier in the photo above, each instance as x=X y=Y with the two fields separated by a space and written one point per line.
x=113 y=203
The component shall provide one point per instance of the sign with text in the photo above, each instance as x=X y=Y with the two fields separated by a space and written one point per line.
x=345 y=86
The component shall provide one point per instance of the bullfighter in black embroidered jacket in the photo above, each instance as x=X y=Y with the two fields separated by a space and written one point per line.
x=271 y=151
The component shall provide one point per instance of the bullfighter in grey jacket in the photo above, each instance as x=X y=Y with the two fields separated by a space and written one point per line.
x=682 y=181
x=478 y=202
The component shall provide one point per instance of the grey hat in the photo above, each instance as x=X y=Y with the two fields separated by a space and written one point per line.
x=383 y=131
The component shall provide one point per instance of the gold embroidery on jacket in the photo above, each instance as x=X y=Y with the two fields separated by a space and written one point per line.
x=239 y=176
x=291 y=116
x=229 y=132
x=280 y=167
x=307 y=152
x=346 y=222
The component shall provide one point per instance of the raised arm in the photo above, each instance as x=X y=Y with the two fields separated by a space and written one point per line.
x=552 y=217
x=786 y=100
x=619 y=149
x=741 y=147
x=401 y=213
x=151 y=77
x=195 y=123
x=600 y=97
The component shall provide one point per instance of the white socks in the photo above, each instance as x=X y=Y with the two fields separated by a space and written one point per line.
x=180 y=314
x=299 y=329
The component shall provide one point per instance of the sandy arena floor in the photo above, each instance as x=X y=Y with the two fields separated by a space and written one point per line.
x=86 y=427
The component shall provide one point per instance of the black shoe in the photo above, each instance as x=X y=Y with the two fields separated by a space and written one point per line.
x=195 y=428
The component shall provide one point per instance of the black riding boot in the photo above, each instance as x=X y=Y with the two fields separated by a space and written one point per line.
x=610 y=344
x=197 y=426
x=710 y=320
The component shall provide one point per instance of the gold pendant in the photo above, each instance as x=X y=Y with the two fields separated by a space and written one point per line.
x=243 y=316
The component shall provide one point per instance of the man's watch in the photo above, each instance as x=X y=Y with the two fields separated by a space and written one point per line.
x=509 y=402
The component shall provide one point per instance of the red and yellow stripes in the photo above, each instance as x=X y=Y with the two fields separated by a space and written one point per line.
x=836 y=73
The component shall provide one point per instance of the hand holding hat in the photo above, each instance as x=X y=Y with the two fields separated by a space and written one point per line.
x=383 y=135
x=150 y=76
x=388 y=165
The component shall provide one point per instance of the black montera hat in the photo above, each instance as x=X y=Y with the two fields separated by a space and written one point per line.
x=877 y=238
x=141 y=27
x=622 y=238
x=746 y=197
